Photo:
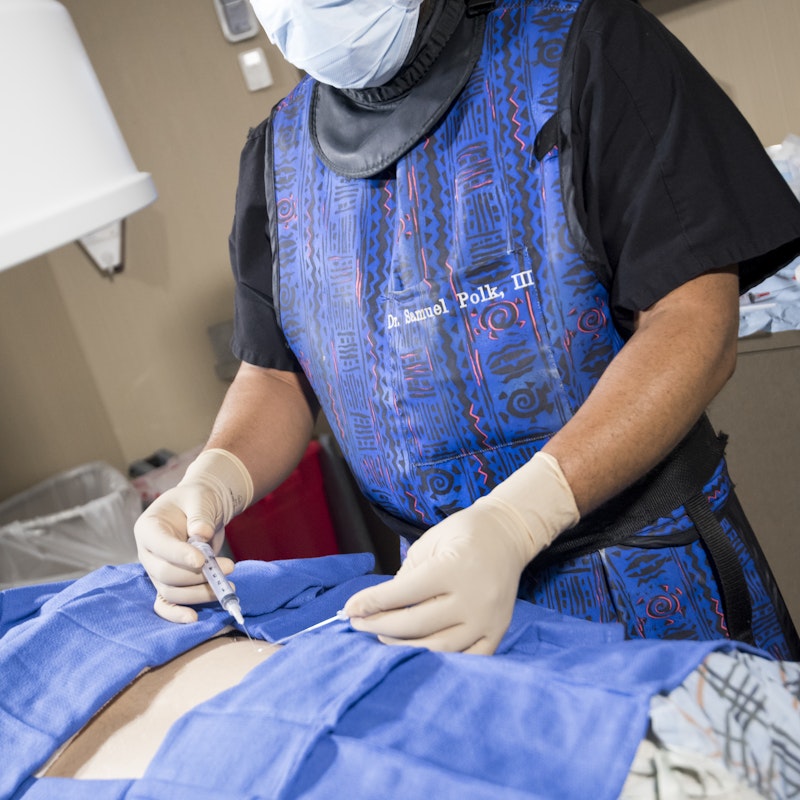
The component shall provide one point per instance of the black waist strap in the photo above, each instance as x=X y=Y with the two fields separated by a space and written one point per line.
x=682 y=474
x=730 y=575
x=677 y=481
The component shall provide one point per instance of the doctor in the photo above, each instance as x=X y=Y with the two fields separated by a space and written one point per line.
x=501 y=245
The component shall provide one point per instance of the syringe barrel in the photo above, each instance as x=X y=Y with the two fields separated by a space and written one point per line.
x=219 y=584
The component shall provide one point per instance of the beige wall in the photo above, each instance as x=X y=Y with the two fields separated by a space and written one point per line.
x=52 y=413
x=751 y=48
x=113 y=369
x=92 y=367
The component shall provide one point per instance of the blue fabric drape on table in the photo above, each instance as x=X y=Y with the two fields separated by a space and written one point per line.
x=562 y=706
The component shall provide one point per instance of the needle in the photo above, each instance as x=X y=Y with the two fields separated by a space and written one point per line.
x=219 y=584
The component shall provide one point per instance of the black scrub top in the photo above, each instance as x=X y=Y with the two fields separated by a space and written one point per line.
x=670 y=180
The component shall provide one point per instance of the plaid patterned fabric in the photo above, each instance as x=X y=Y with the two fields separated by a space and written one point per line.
x=741 y=711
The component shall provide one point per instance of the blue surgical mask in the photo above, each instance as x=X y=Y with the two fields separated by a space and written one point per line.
x=349 y=44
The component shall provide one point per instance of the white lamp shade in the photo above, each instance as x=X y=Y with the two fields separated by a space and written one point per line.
x=65 y=169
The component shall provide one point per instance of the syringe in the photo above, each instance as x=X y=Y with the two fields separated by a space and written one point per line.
x=218 y=582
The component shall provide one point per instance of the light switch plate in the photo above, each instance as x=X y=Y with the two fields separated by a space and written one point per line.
x=256 y=71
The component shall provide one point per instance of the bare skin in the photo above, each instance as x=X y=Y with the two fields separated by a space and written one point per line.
x=122 y=738
x=681 y=355
x=265 y=413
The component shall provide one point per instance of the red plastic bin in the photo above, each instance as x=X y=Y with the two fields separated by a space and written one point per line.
x=291 y=522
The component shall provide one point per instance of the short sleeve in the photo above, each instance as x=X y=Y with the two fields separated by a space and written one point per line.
x=257 y=337
x=670 y=179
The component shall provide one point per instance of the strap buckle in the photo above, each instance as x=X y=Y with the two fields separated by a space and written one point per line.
x=477 y=7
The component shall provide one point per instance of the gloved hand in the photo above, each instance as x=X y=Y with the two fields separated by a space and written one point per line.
x=215 y=487
x=456 y=589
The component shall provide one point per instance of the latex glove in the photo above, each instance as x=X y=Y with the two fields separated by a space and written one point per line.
x=457 y=587
x=215 y=487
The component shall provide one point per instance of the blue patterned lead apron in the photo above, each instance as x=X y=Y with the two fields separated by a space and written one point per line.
x=449 y=324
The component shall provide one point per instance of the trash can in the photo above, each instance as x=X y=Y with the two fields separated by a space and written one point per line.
x=67 y=526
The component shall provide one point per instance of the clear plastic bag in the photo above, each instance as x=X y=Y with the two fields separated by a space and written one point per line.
x=68 y=525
